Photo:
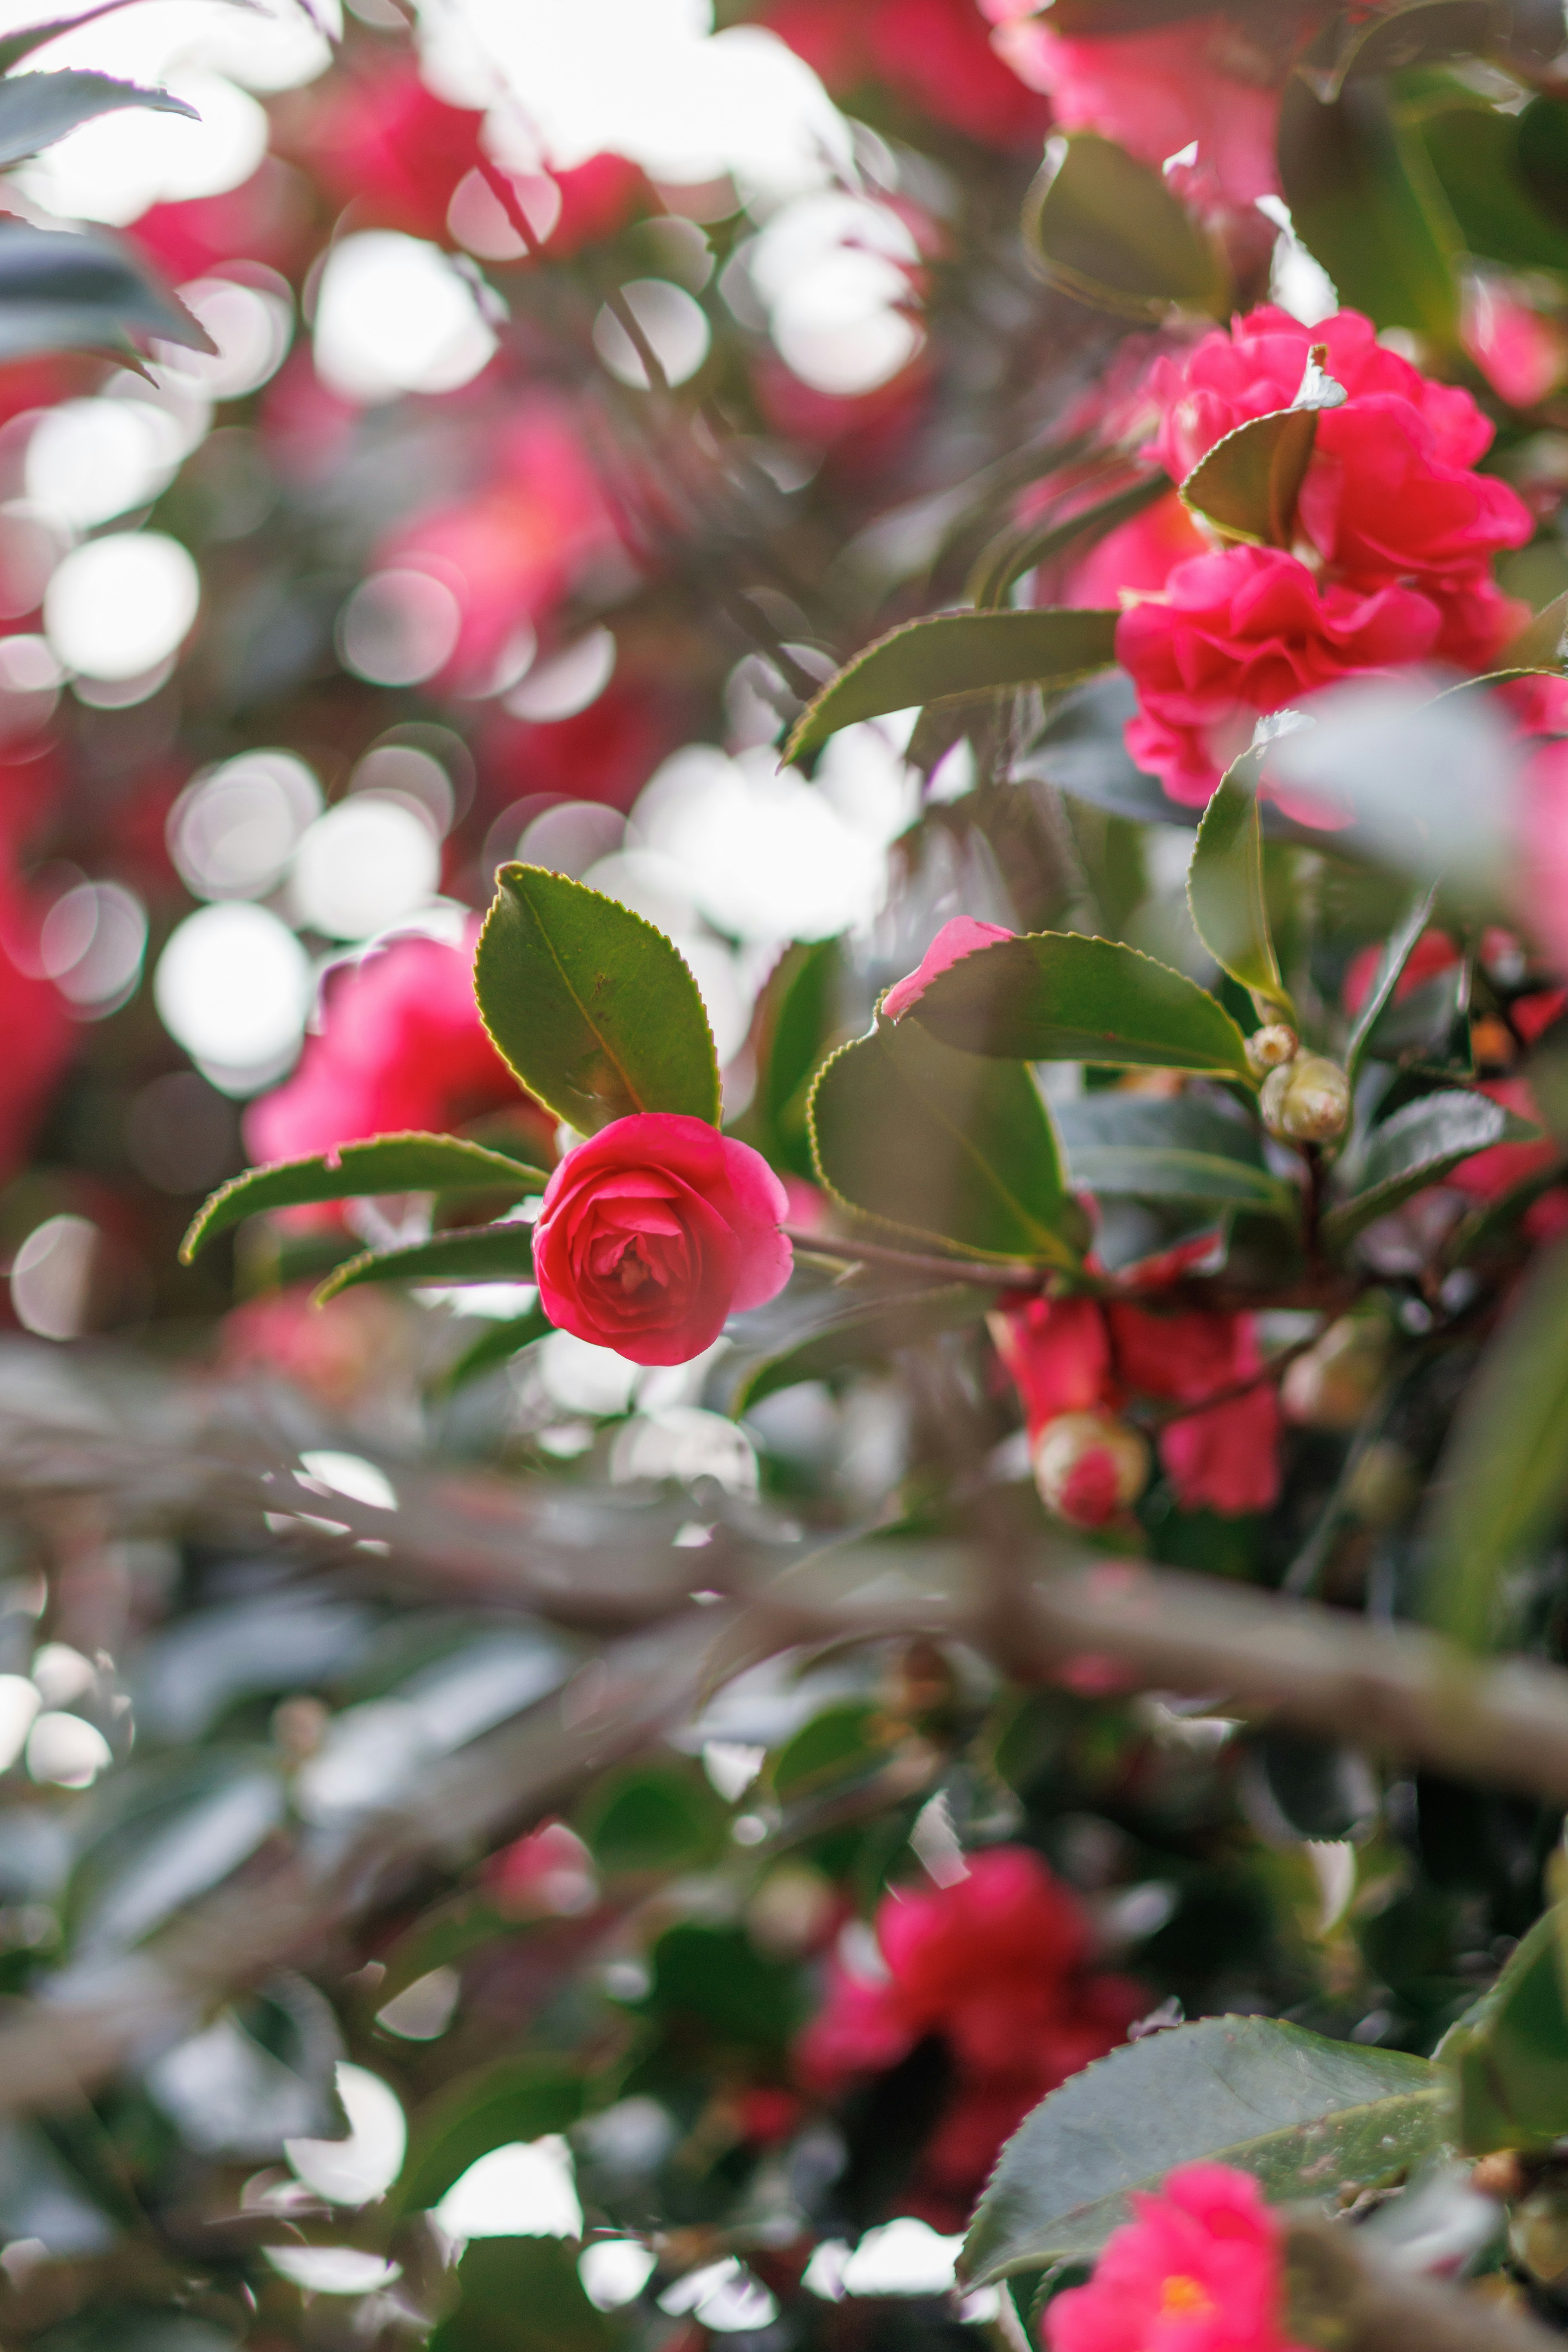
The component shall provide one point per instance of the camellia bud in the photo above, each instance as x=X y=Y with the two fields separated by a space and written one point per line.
x=1307 y=1100
x=1538 y=2235
x=1268 y=1047
x=1089 y=1466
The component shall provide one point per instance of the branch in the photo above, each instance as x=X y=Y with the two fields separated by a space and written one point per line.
x=947 y=1269
x=1339 y=2295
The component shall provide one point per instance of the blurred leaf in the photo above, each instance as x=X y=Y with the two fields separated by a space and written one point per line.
x=37 y=109
x=1504 y=1471
x=385 y=1163
x=1225 y=891
x=1248 y=483
x=1395 y=955
x=820 y=1331
x=1508 y=2056
x=1107 y=228
x=1058 y=996
x=1473 y=151
x=512 y=2099
x=842 y=1743
x=498 y=1345
x=1428 y=1029
x=1542 y=643
x=1188 y=1147
x=1393 y=37
x=799 y=1014
x=1081 y=750
x=1302 y=2114
x=945 y=1146
x=1315 y=1788
x=1366 y=203
x=1542 y=153
x=15 y=47
x=715 y=1976
x=524 y=2291
x=591 y=1006
x=162 y=1832
x=73 y=290
x=474 y=1254
x=654 y=1816
x=953 y=653
x=1041 y=541
x=1415 y=1148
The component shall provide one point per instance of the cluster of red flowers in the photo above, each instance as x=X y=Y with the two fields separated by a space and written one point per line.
x=996 y=1967
x=1397 y=535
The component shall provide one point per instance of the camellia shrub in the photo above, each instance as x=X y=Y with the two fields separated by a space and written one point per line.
x=825 y=1603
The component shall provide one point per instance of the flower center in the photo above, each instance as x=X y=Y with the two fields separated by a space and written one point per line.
x=1183 y=2298
x=633 y=1270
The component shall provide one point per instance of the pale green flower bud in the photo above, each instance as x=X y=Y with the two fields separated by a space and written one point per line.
x=1307 y=1100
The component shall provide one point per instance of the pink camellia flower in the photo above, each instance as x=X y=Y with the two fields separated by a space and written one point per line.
x=932 y=52
x=1522 y=356
x=1200 y=2268
x=379 y=139
x=956 y=939
x=1156 y=90
x=1244 y=631
x=401 y=1045
x=654 y=1231
x=997 y=1965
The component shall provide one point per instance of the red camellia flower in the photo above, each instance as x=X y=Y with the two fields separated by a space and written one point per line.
x=997 y=1965
x=656 y=1230
x=1199 y=2269
x=401 y=1045
x=1248 y=630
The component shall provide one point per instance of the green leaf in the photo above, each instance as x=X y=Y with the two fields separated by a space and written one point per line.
x=384 y=1163
x=1366 y=204
x=497 y=1345
x=1021 y=550
x=594 y=1008
x=1473 y=152
x=1303 y=2115
x=945 y=1146
x=1106 y=227
x=654 y=1816
x=1059 y=996
x=954 y=654
x=524 y=2291
x=800 y=1016
x=1508 y=2056
x=1188 y=1149
x=1401 y=945
x=1247 y=483
x=717 y=1976
x=1225 y=891
x=515 y=2098
x=69 y=291
x=821 y=1332
x=37 y=109
x=502 y=1253
x=1542 y=130
x=1415 y=1148
x=1542 y=643
x=843 y=1743
x=1393 y=37
x=1504 y=1471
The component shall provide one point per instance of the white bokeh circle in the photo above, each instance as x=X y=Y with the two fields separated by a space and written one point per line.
x=394 y=315
x=118 y=606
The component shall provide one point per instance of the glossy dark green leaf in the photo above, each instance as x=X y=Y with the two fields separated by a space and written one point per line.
x=502 y=1253
x=1303 y=2115
x=942 y=1145
x=1248 y=483
x=1508 y=2056
x=37 y=109
x=497 y=1345
x=512 y=2099
x=73 y=290
x=1225 y=891
x=1504 y=1471
x=594 y=1008
x=1472 y=148
x=1058 y=996
x=1415 y=1148
x=385 y=1163
x=1366 y=204
x=1395 y=955
x=517 y=2292
x=1022 y=550
x=1188 y=1147
x=806 y=1337
x=1106 y=227
x=653 y=1816
x=957 y=653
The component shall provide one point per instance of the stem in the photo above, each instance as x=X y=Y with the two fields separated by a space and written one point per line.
x=948 y=1269
x=1265 y=1376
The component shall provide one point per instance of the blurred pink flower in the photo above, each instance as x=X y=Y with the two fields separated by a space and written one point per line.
x=1198 y=2269
x=1521 y=355
x=956 y=939
x=40 y=1036
x=335 y=1353
x=378 y=138
x=1156 y=90
x=934 y=53
x=997 y=1966
x=401 y=1045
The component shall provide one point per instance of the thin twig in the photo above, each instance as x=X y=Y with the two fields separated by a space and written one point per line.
x=948 y=1269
